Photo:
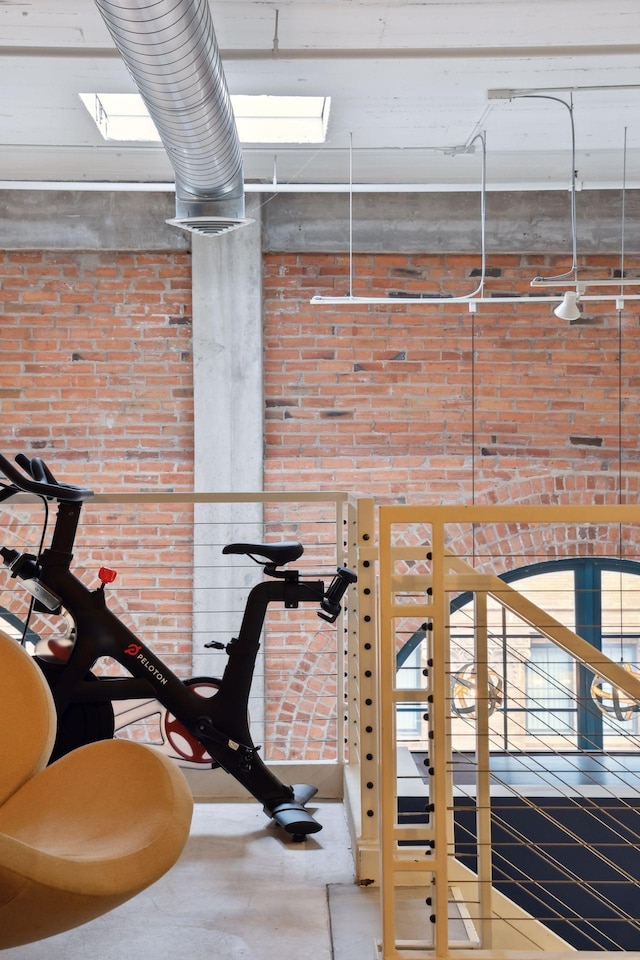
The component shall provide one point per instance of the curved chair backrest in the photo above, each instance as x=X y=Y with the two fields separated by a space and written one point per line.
x=27 y=718
x=86 y=833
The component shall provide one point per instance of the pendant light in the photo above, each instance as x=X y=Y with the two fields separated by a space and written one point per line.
x=464 y=691
x=569 y=309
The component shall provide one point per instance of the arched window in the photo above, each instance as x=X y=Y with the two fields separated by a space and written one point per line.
x=547 y=701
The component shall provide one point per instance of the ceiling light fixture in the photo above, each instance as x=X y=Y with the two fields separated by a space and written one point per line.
x=568 y=309
x=566 y=306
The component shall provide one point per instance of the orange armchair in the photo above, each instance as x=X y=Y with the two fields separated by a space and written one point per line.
x=83 y=835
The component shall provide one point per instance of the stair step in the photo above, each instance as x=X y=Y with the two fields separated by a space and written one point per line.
x=356 y=921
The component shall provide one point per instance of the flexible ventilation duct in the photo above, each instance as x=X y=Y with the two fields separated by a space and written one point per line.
x=170 y=49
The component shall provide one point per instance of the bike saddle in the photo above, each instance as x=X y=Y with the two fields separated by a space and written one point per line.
x=276 y=553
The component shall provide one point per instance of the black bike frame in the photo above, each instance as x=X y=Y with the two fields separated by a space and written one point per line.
x=219 y=722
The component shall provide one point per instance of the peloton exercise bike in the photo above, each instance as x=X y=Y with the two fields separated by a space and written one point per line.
x=215 y=725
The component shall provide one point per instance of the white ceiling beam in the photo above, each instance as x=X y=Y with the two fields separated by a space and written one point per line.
x=547 y=52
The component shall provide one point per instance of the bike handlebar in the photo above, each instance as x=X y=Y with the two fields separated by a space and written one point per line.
x=36 y=477
x=337 y=588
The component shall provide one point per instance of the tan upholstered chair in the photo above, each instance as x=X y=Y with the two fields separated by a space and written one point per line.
x=85 y=834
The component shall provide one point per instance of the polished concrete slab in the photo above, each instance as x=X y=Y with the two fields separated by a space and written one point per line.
x=240 y=891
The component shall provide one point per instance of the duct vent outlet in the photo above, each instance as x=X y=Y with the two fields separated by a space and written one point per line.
x=209 y=226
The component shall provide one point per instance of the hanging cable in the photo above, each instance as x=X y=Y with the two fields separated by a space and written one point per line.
x=483 y=270
x=351 y=215
x=623 y=213
x=620 y=403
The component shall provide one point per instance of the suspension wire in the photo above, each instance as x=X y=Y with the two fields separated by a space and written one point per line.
x=483 y=273
x=351 y=214
x=473 y=430
x=620 y=402
x=464 y=298
x=624 y=200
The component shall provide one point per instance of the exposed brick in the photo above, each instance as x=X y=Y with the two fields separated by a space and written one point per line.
x=99 y=395
x=372 y=399
x=537 y=382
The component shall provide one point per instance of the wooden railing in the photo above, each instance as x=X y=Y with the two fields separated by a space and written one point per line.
x=420 y=571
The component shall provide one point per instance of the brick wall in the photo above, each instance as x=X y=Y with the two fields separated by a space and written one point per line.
x=97 y=378
x=96 y=351
x=384 y=400
x=409 y=403
x=430 y=403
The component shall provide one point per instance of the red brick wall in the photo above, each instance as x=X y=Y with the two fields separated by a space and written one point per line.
x=97 y=371
x=96 y=365
x=97 y=378
x=418 y=403
x=430 y=403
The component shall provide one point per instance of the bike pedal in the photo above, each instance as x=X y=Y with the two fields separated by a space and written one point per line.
x=215 y=645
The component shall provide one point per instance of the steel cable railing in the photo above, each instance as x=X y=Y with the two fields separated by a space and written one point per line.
x=540 y=776
x=531 y=886
x=175 y=589
x=597 y=937
x=420 y=573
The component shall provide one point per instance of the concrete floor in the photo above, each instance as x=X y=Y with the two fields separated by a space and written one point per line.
x=240 y=891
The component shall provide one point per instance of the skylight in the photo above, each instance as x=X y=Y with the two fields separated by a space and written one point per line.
x=259 y=119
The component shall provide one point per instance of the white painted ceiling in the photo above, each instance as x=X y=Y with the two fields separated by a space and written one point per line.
x=410 y=84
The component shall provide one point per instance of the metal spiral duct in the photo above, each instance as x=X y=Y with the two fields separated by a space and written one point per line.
x=170 y=49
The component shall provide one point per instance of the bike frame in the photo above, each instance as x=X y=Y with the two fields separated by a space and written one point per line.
x=220 y=723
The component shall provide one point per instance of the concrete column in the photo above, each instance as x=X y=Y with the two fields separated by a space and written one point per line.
x=227 y=358
x=228 y=431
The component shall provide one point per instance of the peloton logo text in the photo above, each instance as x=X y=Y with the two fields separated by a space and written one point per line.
x=133 y=650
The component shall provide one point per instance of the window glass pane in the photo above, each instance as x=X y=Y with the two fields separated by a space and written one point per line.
x=620 y=604
x=538 y=678
x=409 y=715
x=550 y=678
x=553 y=592
x=620 y=641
